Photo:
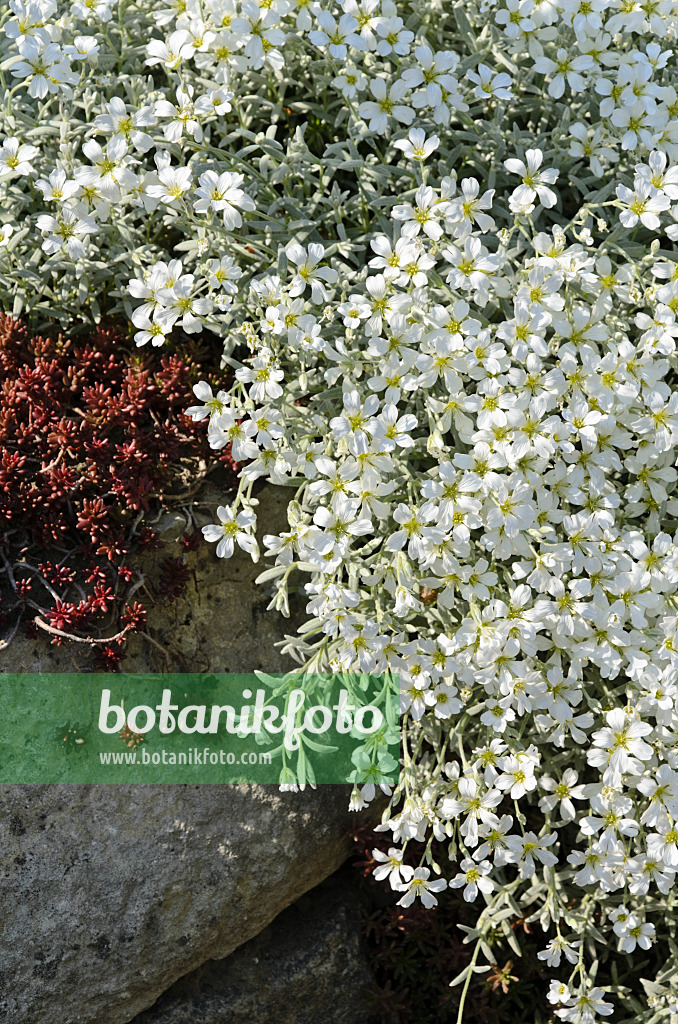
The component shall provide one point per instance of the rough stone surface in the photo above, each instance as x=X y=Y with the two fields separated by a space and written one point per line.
x=221 y=624
x=109 y=894
x=307 y=967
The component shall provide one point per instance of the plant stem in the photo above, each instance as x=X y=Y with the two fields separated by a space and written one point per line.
x=464 y=991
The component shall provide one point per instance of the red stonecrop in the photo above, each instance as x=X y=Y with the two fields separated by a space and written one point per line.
x=92 y=436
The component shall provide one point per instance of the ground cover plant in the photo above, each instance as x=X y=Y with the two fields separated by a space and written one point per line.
x=437 y=241
x=94 y=444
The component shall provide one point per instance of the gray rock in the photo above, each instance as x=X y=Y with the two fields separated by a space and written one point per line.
x=109 y=894
x=307 y=966
x=222 y=622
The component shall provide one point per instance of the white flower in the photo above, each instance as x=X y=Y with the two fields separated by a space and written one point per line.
x=583 y=1007
x=390 y=430
x=433 y=71
x=535 y=182
x=170 y=54
x=419 y=886
x=216 y=101
x=264 y=377
x=223 y=273
x=181 y=305
x=417 y=146
x=593 y=146
x=631 y=930
x=414 y=532
x=44 y=67
x=663 y=844
x=516 y=17
x=567 y=70
x=182 y=116
x=489 y=84
x=390 y=865
x=644 y=204
x=351 y=81
x=222 y=193
x=476 y=805
x=473 y=877
x=150 y=327
x=339 y=524
x=231 y=530
x=423 y=216
x=58 y=188
x=657 y=174
x=563 y=792
x=517 y=776
x=16 y=158
x=558 y=992
x=261 y=35
x=122 y=124
x=100 y=9
x=66 y=232
x=231 y=427
x=471 y=267
x=558 y=947
x=174 y=182
x=394 y=37
x=83 y=48
x=336 y=37
x=309 y=273
x=536 y=847
x=387 y=103
x=619 y=744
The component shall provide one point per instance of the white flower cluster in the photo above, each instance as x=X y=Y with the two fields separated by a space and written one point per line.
x=481 y=507
x=438 y=242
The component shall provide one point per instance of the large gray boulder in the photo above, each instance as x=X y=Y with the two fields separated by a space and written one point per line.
x=109 y=894
x=307 y=966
